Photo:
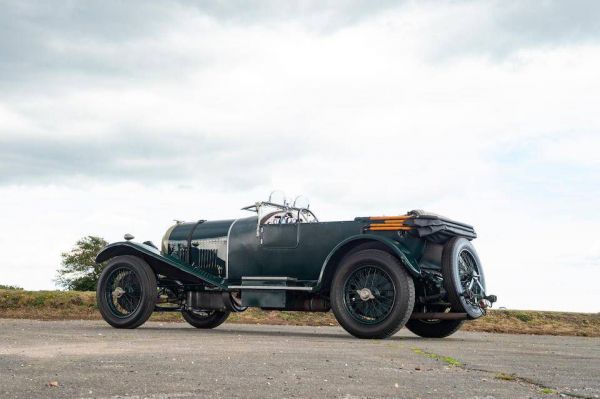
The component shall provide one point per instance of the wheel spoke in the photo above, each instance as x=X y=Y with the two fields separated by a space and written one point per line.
x=369 y=294
x=469 y=276
x=123 y=292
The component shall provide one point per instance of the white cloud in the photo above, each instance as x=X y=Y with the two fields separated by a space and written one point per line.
x=197 y=114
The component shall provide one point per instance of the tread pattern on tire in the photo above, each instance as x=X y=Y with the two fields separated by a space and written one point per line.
x=149 y=292
x=448 y=273
x=211 y=321
x=442 y=329
x=362 y=330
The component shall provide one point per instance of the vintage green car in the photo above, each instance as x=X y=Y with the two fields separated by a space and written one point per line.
x=376 y=273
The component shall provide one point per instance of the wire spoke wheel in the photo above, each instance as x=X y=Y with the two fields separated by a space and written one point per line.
x=464 y=280
x=469 y=276
x=126 y=293
x=372 y=295
x=369 y=294
x=123 y=292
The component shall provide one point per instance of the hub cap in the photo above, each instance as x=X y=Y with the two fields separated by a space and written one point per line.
x=365 y=294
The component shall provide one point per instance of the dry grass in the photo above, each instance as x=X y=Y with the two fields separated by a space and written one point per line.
x=60 y=305
x=536 y=322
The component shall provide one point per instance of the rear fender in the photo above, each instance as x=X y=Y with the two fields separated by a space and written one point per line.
x=337 y=253
x=161 y=264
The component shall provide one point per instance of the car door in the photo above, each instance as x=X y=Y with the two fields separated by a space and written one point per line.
x=298 y=250
x=270 y=250
x=279 y=236
x=279 y=249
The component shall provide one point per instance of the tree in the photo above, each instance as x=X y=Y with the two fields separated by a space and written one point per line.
x=79 y=270
x=10 y=287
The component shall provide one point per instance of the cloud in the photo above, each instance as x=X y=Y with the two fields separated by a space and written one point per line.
x=450 y=30
x=41 y=42
x=118 y=117
x=150 y=159
x=135 y=39
x=322 y=16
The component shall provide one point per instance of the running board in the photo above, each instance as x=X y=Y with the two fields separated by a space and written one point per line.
x=268 y=287
x=270 y=283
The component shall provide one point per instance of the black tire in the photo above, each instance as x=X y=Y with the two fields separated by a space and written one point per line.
x=126 y=292
x=391 y=274
x=233 y=301
x=463 y=300
x=205 y=319
x=434 y=328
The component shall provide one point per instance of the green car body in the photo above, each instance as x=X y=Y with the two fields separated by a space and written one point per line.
x=306 y=252
x=288 y=260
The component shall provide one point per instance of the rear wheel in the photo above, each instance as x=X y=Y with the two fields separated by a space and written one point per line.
x=463 y=277
x=434 y=328
x=126 y=292
x=372 y=296
x=205 y=318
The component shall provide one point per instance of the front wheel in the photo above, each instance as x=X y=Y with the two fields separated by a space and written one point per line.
x=205 y=318
x=372 y=295
x=126 y=292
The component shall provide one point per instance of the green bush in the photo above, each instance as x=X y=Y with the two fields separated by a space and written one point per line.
x=38 y=301
x=524 y=317
x=10 y=287
x=9 y=301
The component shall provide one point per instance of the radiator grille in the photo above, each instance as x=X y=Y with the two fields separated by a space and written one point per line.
x=209 y=255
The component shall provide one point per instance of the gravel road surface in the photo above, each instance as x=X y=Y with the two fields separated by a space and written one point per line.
x=88 y=359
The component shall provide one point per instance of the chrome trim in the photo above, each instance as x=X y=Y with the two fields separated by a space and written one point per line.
x=227 y=253
x=266 y=278
x=266 y=287
x=165 y=241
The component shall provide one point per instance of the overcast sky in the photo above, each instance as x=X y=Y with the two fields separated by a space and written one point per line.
x=119 y=116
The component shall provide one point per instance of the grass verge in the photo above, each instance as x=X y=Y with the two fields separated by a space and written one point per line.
x=63 y=305
x=450 y=361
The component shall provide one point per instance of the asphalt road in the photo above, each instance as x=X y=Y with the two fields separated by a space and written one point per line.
x=164 y=360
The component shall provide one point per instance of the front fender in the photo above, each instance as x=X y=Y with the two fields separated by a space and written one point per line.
x=161 y=264
x=397 y=248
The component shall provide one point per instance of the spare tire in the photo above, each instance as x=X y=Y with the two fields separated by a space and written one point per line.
x=463 y=277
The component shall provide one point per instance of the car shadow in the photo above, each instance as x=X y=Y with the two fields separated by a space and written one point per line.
x=272 y=332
